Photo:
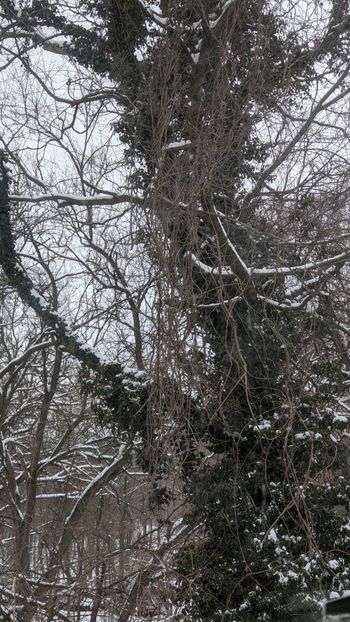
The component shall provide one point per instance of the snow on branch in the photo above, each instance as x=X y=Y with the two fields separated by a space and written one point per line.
x=22 y=358
x=311 y=265
x=23 y=284
x=177 y=145
x=287 y=305
x=211 y=270
x=101 y=480
x=155 y=16
x=67 y=199
x=11 y=485
x=214 y=24
x=238 y=264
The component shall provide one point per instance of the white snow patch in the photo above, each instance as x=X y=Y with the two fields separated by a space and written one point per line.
x=333 y=564
x=272 y=535
x=263 y=425
x=181 y=144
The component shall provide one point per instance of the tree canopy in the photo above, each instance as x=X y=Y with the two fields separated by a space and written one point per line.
x=174 y=209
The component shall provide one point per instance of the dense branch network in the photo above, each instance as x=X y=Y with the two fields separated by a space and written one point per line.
x=244 y=231
x=128 y=382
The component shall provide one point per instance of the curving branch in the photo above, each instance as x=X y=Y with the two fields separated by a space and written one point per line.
x=22 y=283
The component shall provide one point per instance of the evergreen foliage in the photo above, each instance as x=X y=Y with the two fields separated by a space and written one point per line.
x=271 y=409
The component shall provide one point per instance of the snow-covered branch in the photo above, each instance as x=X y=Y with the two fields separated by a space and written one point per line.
x=20 y=280
x=221 y=271
x=101 y=480
x=154 y=16
x=67 y=199
x=22 y=358
x=302 y=268
x=215 y=24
